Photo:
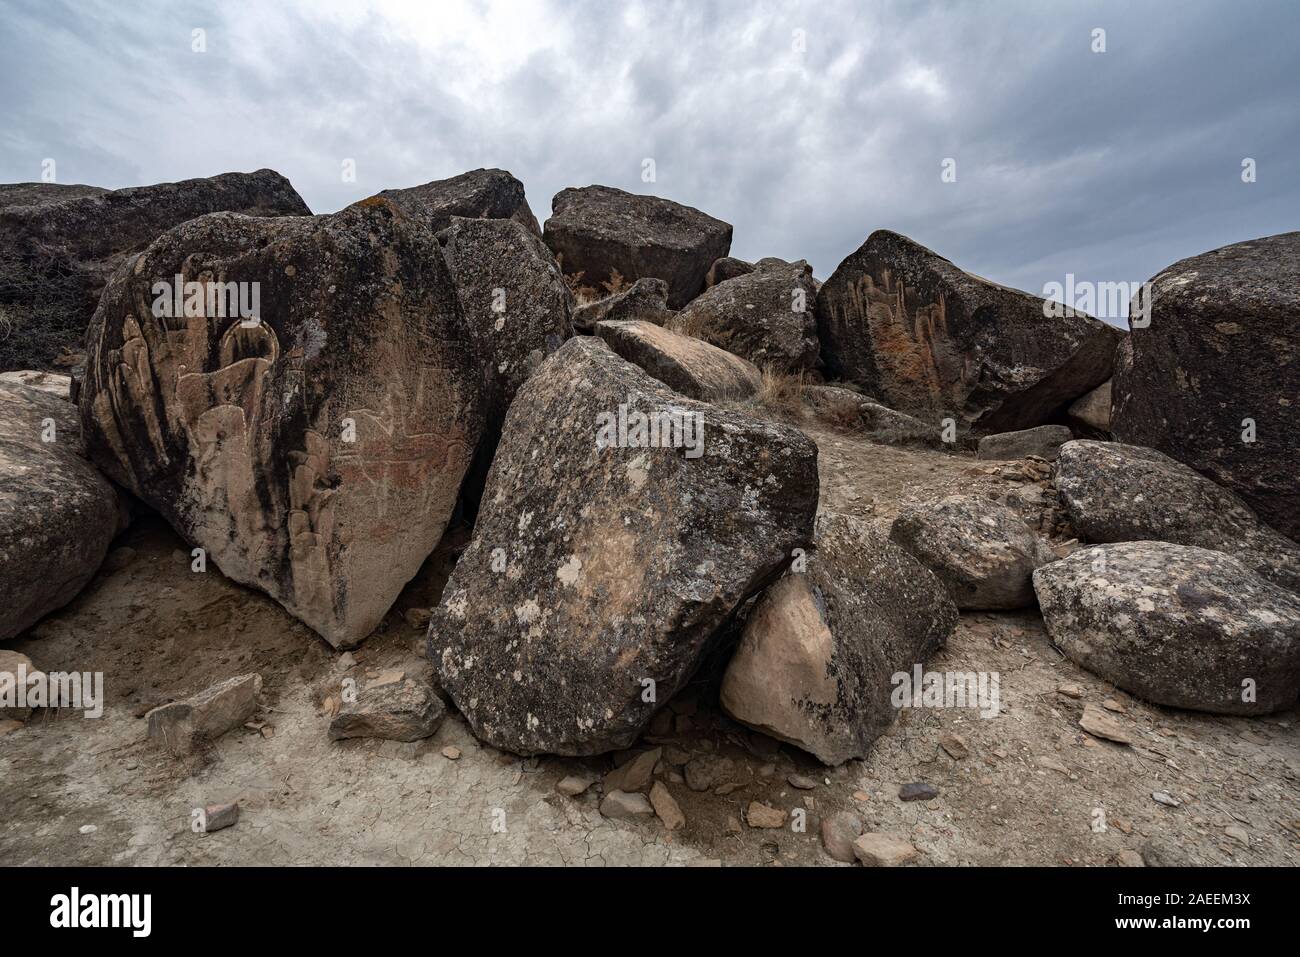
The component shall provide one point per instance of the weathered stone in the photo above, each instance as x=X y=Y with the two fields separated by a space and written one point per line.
x=1223 y=346
x=218 y=817
x=766 y=316
x=917 y=791
x=1102 y=725
x=839 y=831
x=883 y=850
x=691 y=366
x=1122 y=493
x=515 y=302
x=599 y=562
x=815 y=661
x=666 y=807
x=1043 y=441
x=394 y=706
x=184 y=725
x=574 y=784
x=1176 y=625
x=16 y=670
x=56 y=385
x=983 y=552
x=707 y=771
x=764 y=815
x=1090 y=414
x=931 y=340
x=478 y=194
x=57 y=513
x=646 y=300
x=60 y=244
x=622 y=806
x=728 y=267
x=635 y=774
x=598 y=231
x=315 y=450
x=850 y=410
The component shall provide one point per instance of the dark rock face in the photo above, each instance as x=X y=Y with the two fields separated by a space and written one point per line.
x=815 y=662
x=597 y=231
x=315 y=450
x=1043 y=441
x=478 y=194
x=515 y=302
x=1180 y=626
x=765 y=315
x=60 y=244
x=1223 y=346
x=1123 y=493
x=692 y=367
x=908 y=325
x=601 y=562
x=646 y=300
x=57 y=513
x=728 y=267
x=983 y=552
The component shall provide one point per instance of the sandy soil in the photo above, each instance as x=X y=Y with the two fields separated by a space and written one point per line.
x=1030 y=791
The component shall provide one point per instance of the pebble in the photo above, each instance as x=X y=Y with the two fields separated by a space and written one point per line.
x=219 y=816
x=451 y=752
x=666 y=806
x=883 y=850
x=1101 y=724
x=1238 y=833
x=917 y=791
x=1127 y=858
x=88 y=829
x=626 y=807
x=955 y=746
x=801 y=782
x=763 y=815
x=1162 y=797
x=573 y=785
x=839 y=831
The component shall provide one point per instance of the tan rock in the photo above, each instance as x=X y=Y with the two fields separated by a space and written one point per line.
x=670 y=813
x=764 y=815
x=883 y=850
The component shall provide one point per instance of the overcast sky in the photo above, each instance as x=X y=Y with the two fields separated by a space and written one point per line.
x=805 y=126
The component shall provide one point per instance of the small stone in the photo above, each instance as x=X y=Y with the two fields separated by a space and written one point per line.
x=451 y=752
x=573 y=785
x=726 y=789
x=1097 y=722
x=734 y=826
x=418 y=617
x=622 y=806
x=801 y=782
x=1127 y=858
x=88 y=829
x=1070 y=691
x=883 y=850
x=1046 y=761
x=219 y=816
x=839 y=831
x=670 y=813
x=917 y=791
x=707 y=771
x=183 y=725
x=955 y=746
x=1237 y=833
x=1163 y=797
x=763 y=815
x=1110 y=704
x=861 y=796
x=634 y=774
x=394 y=706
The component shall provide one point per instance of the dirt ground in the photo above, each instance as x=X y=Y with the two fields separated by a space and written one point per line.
x=1032 y=789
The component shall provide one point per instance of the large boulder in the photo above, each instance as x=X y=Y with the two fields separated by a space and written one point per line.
x=58 y=514
x=1122 y=493
x=691 y=366
x=646 y=300
x=314 y=450
x=478 y=194
x=1223 y=347
x=728 y=267
x=765 y=315
x=983 y=552
x=608 y=553
x=909 y=326
x=815 y=663
x=59 y=245
x=598 y=231
x=1176 y=625
x=515 y=302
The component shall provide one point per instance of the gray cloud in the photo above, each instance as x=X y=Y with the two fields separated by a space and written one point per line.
x=1109 y=166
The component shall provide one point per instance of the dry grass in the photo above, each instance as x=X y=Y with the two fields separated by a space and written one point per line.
x=782 y=392
x=687 y=323
x=616 y=283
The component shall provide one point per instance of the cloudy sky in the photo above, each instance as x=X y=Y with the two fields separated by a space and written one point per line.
x=805 y=126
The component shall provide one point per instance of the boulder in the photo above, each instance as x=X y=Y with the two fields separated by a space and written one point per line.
x=608 y=552
x=691 y=366
x=728 y=267
x=51 y=382
x=1043 y=441
x=183 y=726
x=600 y=234
x=478 y=194
x=394 y=706
x=1175 y=625
x=59 y=245
x=929 y=339
x=314 y=450
x=1090 y=414
x=1222 y=348
x=1122 y=493
x=58 y=514
x=646 y=300
x=818 y=651
x=515 y=302
x=765 y=315
x=983 y=552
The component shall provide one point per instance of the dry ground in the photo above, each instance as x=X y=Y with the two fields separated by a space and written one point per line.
x=1028 y=792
